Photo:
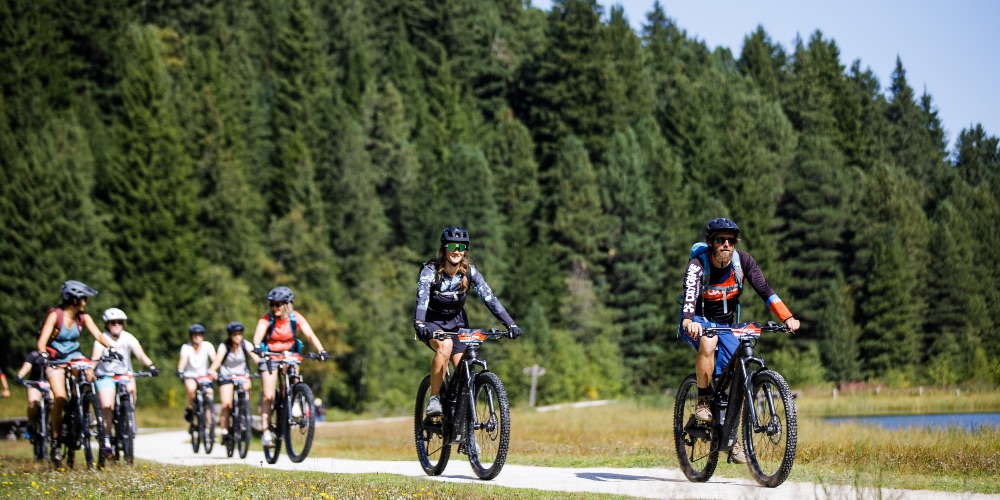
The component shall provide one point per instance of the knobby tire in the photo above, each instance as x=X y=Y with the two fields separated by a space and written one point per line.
x=243 y=426
x=491 y=430
x=770 y=453
x=301 y=426
x=697 y=456
x=429 y=434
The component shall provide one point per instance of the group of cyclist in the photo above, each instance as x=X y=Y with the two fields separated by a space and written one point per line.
x=277 y=331
x=442 y=287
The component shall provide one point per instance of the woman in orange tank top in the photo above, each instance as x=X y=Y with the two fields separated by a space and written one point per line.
x=281 y=338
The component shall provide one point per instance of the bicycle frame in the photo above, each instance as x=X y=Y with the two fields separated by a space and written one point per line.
x=73 y=410
x=733 y=388
x=460 y=396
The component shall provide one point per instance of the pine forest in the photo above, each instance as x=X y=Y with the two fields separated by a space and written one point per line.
x=183 y=158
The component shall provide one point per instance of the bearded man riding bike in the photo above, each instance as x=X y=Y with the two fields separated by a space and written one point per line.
x=718 y=302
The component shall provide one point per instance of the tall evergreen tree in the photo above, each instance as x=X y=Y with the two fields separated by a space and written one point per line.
x=915 y=138
x=956 y=315
x=837 y=332
x=764 y=61
x=52 y=231
x=572 y=88
x=977 y=157
x=149 y=189
x=635 y=264
x=890 y=252
x=396 y=167
x=579 y=225
x=814 y=208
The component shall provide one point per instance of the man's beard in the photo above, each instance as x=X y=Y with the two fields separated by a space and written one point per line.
x=724 y=257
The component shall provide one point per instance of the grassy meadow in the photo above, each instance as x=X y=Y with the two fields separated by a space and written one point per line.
x=637 y=433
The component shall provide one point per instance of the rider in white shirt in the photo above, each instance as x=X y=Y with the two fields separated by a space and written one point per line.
x=125 y=344
x=196 y=357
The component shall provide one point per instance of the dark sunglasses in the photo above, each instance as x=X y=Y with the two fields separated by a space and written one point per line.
x=277 y=304
x=116 y=322
x=722 y=239
x=461 y=247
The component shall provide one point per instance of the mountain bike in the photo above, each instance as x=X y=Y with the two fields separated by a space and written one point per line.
x=770 y=430
x=123 y=417
x=239 y=417
x=40 y=427
x=82 y=425
x=202 y=425
x=475 y=412
x=293 y=415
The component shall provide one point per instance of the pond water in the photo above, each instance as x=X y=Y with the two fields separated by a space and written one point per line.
x=967 y=421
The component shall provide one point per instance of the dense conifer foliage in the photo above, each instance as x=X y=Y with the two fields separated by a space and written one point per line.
x=185 y=157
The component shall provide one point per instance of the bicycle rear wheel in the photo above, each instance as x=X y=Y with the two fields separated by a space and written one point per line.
x=694 y=441
x=429 y=434
x=208 y=429
x=771 y=449
x=489 y=438
x=243 y=426
x=126 y=430
x=277 y=421
x=301 y=426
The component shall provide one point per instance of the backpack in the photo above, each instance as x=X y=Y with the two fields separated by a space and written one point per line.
x=57 y=327
x=59 y=322
x=295 y=331
x=243 y=345
x=700 y=251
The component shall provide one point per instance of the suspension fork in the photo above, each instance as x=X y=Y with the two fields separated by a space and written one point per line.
x=472 y=393
x=748 y=394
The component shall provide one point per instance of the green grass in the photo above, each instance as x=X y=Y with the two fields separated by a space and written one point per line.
x=639 y=434
x=22 y=477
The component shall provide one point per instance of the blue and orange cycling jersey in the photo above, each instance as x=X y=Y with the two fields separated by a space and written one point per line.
x=721 y=306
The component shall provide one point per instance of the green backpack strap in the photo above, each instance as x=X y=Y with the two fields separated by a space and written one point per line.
x=270 y=327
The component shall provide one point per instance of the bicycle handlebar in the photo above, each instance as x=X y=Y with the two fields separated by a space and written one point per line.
x=492 y=333
x=754 y=329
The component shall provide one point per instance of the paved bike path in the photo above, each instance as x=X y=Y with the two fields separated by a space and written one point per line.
x=175 y=448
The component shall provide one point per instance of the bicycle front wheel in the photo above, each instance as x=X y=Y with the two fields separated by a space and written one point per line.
x=275 y=426
x=40 y=431
x=208 y=424
x=91 y=431
x=69 y=433
x=693 y=439
x=301 y=425
x=770 y=447
x=126 y=430
x=428 y=434
x=243 y=426
x=489 y=437
x=196 y=426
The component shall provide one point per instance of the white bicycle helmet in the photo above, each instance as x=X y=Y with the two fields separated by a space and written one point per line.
x=114 y=313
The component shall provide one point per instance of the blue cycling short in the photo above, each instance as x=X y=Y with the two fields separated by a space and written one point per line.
x=724 y=350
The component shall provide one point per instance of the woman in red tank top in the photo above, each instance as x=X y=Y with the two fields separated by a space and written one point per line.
x=280 y=338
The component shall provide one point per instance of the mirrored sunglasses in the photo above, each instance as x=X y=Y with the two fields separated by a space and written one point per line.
x=461 y=247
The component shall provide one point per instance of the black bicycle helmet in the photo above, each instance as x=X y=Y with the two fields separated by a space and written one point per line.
x=454 y=234
x=234 y=326
x=721 y=224
x=281 y=294
x=196 y=328
x=73 y=289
